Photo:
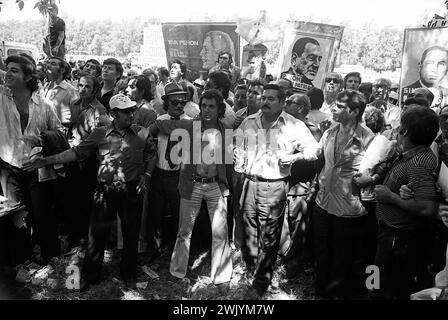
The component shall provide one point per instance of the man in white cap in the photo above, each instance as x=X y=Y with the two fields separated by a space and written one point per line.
x=126 y=155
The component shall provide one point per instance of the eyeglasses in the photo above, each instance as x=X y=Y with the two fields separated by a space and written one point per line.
x=335 y=80
x=177 y=102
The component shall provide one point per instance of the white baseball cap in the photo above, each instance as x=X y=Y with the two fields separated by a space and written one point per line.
x=120 y=101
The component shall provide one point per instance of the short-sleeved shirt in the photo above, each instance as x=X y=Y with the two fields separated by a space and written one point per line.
x=121 y=157
x=338 y=195
x=416 y=167
x=56 y=25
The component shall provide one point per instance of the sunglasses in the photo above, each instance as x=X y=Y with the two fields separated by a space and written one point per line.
x=177 y=102
x=335 y=80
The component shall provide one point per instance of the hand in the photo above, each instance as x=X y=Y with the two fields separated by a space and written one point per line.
x=287 y=160
x=362 y=180
x=143 y=184
x=383 y=194
x=31 y=140
x=324 y=125
x=34 y=164
x=406 y=192
x=443 y=211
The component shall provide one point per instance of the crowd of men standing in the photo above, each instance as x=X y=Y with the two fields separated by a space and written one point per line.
x=343 y=178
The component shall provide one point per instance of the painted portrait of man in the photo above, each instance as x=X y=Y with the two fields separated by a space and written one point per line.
x=215 y=42
x=306 y=58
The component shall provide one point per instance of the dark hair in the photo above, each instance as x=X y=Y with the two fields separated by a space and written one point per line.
x=228 y=53
x=422 y=93
x=164 y=71
x=221 y=81
x=148 y=71
x=281 y=94
x=366 y=88
x=241 y=87
x=28 y=66
x=299 y=46
x=65 y=67
x=421 y=101
x=188 y=89
x=117 y=65
x=269 y=77
x=214 y=94
x=183 y=66
x=355 y=100
x=431 y=49
x=374 y=119
x=256 y=83
x=97 y=66
x=143 y=85
x=316 y=96
x=421 y=124
x=95 y=82
x=352 y=74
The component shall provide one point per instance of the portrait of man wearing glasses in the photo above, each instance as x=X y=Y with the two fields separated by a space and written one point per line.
x=306 y=58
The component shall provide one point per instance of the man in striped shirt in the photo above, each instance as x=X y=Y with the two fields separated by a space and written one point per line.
x=401 y=222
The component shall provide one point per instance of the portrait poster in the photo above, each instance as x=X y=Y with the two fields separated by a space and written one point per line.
x=425 y=63
x=308 y=53
x=198 y=45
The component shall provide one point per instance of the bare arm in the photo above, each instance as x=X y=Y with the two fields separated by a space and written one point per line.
x=63 y=157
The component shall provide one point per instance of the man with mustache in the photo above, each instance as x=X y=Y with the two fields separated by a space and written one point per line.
x=266 y=145
x=305 y=62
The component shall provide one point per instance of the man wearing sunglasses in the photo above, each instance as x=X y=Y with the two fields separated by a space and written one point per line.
x=333 y=85
x=202 y=177
x=126 y=155
x=164 y=197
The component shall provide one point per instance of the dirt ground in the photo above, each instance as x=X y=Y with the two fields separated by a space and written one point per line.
x=157 y=284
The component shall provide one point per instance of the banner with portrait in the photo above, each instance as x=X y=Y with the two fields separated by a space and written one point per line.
x=198 y=45
x=308 y=53
x=425 y=63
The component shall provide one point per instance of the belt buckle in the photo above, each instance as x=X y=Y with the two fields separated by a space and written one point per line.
x=117 y=184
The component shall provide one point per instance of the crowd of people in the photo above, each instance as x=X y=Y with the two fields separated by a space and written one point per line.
x=342 y=178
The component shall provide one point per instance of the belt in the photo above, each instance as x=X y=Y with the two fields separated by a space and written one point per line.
x=259 y=179
x=116 y=185
x=205 y=180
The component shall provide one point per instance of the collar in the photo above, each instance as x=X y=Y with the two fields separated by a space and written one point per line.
x=111 y=128
x=414 y=151
x=282 y=117
x=358 y=134
x=35 y=96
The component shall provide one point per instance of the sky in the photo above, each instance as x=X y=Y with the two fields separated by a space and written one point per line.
x=396 y=13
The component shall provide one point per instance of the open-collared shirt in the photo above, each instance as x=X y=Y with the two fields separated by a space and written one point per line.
x=42 y=116
x=62 y=95
x=122 y=157
x=85 y=118
x=338 y=195
x=260 y=150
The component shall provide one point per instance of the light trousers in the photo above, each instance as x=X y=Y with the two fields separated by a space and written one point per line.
x=221 y=258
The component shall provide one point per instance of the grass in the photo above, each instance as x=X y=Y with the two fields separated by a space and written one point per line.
x=196 y=286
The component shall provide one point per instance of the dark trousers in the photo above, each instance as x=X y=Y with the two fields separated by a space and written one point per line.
x=83 y=182
x=163 y=214
x=21 y=186
x=107 y=203
x=399 y=258
x=339 y=250
x=263 y=209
